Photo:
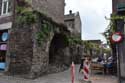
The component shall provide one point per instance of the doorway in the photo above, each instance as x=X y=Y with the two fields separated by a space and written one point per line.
x=56 y=53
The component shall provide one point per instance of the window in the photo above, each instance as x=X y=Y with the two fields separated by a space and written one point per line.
x=5 y=7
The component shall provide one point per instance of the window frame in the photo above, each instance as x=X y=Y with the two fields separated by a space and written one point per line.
x=7 y=8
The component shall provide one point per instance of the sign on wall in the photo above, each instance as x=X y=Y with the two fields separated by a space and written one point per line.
x=4 y=36
x=116 y=37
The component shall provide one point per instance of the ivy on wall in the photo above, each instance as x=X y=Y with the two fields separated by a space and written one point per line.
x=45 y=29
x=86 y=44
x=25 y=15
x=26 y=18
x=74 y=40
x=112 y=27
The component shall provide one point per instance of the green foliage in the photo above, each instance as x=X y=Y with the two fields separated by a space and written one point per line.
x=117 y=17
x=111 y=27
x=86 y=44
x=44 y=33
x=40 y=38
x=26 y=18
x=90 y=45
x=74 y=40
x=107 y=50
x=19 y=9
x=23 y=13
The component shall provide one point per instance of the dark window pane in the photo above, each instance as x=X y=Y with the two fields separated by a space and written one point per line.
x=5 y=7
x=2 y=56
x=9 y=6
x=0 y=6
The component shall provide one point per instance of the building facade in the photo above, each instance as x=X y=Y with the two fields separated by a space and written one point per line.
x=53 y=9
x=25 y=54
x=119 y=9
x=115 y=4
x=73 y=22
x=26 y=60
x=5 y=25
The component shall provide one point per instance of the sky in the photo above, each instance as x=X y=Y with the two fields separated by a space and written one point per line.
x=92 y=13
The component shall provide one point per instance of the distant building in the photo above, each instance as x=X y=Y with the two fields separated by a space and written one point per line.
x=73 y=22
x=94 y=52
x=96 y=41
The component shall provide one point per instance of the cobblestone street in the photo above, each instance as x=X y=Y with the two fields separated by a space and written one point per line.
x=62 y=77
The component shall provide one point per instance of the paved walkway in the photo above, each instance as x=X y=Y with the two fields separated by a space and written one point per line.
x=104 y=79
x=62 y=77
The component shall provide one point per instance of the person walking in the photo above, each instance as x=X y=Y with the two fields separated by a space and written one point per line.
x=81 y=65
x=110 y=65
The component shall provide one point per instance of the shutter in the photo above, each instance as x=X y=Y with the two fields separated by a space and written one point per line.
x=0 y=6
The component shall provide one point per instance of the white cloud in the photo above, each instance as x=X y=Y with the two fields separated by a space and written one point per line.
x=92 y=14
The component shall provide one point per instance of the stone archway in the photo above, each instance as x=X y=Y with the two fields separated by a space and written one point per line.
x=57 y=47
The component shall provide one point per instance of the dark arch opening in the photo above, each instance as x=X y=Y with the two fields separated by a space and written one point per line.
x=56 y=51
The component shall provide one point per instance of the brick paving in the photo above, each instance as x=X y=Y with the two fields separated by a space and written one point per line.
x=62 y=77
